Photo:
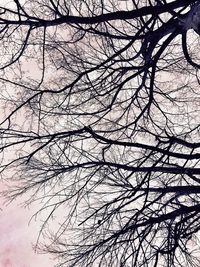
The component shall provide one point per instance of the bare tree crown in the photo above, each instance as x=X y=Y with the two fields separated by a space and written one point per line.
x=100 y=108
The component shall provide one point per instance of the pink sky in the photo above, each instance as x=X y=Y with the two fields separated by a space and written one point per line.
x=17 y=237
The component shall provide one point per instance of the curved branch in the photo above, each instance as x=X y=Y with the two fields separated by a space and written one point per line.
x=118 y=15
x=186 y=53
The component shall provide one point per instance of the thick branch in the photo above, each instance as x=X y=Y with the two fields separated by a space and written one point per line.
x=119 y=15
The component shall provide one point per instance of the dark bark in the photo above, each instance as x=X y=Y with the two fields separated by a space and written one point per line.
x=104 y=126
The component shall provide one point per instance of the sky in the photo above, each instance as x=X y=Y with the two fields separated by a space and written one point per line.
x=17 y=237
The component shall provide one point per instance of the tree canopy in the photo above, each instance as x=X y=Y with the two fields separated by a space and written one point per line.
x=100 y=110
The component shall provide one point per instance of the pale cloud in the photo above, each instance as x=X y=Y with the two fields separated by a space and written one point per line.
x=17 y=238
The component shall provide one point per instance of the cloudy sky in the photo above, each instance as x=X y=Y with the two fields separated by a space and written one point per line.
x=16 y=234
x=17 y=237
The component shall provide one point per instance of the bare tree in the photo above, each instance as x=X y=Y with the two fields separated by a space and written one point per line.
x=101 y=110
